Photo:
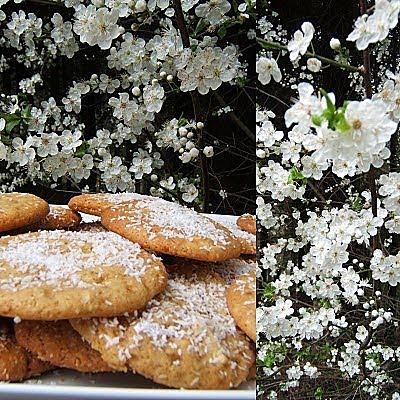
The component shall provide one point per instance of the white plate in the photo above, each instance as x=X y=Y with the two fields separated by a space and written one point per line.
x=67 y=384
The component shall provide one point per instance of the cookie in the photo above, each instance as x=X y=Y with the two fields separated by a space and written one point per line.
x=247 y=240
x=58 y=218
x=95 y=204
x=51 y=275
x=241 y=299
x=247 y=223
x=165 y=227
x=228 y=270
x=184 y=338
x=59 y=344
x=21 y=209
x=17 y=364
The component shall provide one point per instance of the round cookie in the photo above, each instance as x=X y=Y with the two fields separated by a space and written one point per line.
x=51 y=275
x=247 y=223
x=241 y=299
x=96 y=203
x=17 y=364
x=59 y=344
x=21 y=209
x=58 y=218
x=184 y=338
x=247 y=240
x=168 y=228
x=229 y=270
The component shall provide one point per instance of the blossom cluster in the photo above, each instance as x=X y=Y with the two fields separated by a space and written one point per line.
x=328 y=213
x=140 y=78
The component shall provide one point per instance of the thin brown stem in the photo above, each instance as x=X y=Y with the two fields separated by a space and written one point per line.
x=197 y=110
x=368 y=93
x=249 y=133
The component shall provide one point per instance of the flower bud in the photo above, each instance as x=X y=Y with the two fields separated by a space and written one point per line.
x=335 y=44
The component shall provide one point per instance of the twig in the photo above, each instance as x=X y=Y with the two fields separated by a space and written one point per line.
x=368 y=93
x=330 y=61
x=249 y=133
x=180 y=21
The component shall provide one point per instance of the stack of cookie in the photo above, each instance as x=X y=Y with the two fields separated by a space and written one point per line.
x=156 y=289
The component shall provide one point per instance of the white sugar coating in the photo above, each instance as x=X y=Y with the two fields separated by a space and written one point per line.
x=190 y=308
x=231 y=269
x=234 y=229
x=58 y=258
x=246 y=283
x=171 y=220
x=56 y=210
x=185 y=310
x=117 y=198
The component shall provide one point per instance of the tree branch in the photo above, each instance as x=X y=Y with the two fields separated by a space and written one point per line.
x=198 y=115
x=235 y=119
x=368 y=93
x=277 y=46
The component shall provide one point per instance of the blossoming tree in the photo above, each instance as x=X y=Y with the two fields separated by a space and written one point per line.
x=119 y=95
x=328 y=209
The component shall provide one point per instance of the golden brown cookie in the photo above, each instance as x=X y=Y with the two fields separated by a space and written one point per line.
x=241 y=299
x=16 y=363
x=229 y=270
x=59 y=344
x=59 y=217
x=169 y=228
x=51 y=275
x=247 y=240
x=96 y=203
x=247 y=223
x=184 y=338
x=20 y=209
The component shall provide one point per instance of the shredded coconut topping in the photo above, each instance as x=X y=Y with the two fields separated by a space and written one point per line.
x=60 y=258
x=235 y=230
x=172 y=220
x=118 y=198
x=190 y=308
x=246 y=285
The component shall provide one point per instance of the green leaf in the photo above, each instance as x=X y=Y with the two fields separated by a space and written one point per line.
x=10 y=125
x=201 y=25
x=269 y=360
x=325 y=303
x=341 y=123
x=295 y=175
x=26 y=112
x=81 y=150
x=317 y=119
x=319 y=393
x=330 y=105
x=222 y=31
x=269 y=291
